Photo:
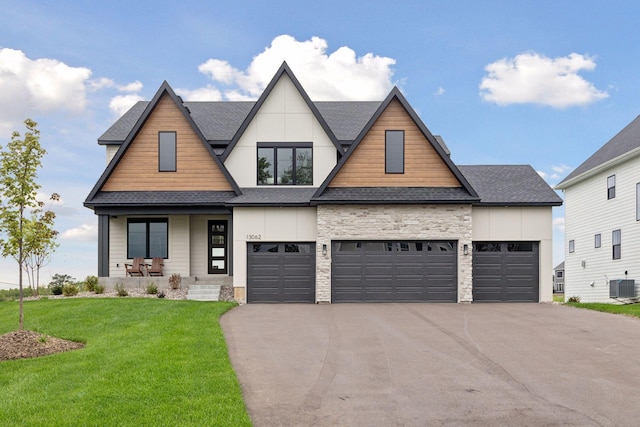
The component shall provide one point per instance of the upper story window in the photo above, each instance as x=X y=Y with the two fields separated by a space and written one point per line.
x=616 y=240
x=638 y=201
x=147 y=237
x=572 y=246
x=285 y=163
x=611 y=187
x=394 y=151
x=559 y=274
x=166 y=151
x=597 y=241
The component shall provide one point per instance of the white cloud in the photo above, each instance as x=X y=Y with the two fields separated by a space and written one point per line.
x=120 y=104
x=208 y=93
x=558 y=223
x=340 y=75
x=84 y=233
x=537 y=79
x=131 y=87
x=31 y=86
x=544 y=175
x=562 y=168
x=440 y=91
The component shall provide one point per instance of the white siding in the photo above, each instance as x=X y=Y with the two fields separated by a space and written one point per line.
x=588 y=212
x=524 y=224
x=284 y=117
x=268 y=225
x=111 y=151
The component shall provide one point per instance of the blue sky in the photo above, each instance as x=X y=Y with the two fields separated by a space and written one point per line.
x=544 y=83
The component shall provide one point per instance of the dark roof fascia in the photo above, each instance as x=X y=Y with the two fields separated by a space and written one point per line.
x=284 y=69
x=517 y=204
x=267 y=205
x=108 y=142
x=396 y=94
x=394 y=202
x=158 y=210
x=164 y=89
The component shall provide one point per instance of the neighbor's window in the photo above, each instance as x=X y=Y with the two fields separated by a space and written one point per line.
x=611 y=187
x=147 y=237
x=616 y=240
x=167 y=151
x=597 y=241
x=285 y=164
x=559 y=274
x=572 y=246
x=638 y=201
x=394 y=151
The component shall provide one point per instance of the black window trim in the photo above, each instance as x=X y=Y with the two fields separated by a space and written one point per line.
x=147 y=221
x=225 y=246
x=275 y=146
x=386 y=169
x=175 y=151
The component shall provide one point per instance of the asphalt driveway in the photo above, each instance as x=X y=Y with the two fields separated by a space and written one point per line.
x=435 y=364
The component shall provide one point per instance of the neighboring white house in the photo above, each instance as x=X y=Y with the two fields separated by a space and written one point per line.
x=602 y=228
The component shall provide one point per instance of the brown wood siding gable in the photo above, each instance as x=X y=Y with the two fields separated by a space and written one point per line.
x=138 y=169
x=423 y=167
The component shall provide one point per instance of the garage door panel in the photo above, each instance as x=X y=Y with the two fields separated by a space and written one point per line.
x=280 y=272
x=505 y=272
x=394 y=271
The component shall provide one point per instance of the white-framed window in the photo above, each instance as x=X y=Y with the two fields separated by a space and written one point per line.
x=638 y=201
x=611 y=187
x=616 y=241
x=597 y=240
x=572 y=246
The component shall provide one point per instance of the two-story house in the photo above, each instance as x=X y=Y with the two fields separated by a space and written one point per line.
x=602 y=228
x=291 y=200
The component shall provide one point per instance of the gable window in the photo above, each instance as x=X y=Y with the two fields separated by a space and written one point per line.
x=166 y=151
x=611 y=187
x=559 y=274
x=572 y=246
x=394 y=151
x=616 y=240
x=597 y=241
x=147 y=237
x=285 y=163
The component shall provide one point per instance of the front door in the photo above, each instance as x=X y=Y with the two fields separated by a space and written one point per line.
x=218 y=248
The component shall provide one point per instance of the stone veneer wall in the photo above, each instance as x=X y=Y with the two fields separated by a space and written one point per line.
x=385 y=222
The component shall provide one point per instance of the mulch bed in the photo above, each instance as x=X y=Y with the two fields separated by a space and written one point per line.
x=25 y=344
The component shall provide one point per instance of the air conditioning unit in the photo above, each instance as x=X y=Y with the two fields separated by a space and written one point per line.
x=622 y=288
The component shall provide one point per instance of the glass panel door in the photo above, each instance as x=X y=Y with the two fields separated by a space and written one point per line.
x=218 y=247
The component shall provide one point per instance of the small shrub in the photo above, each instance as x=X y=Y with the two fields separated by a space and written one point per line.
x=99 y=289
x=42 y=338
x=90 y=283
x=70 y=290
x=56 y=288
x=574 y=298
x=174 y=281
x=152 y=289
x=121 y=291
x=161 y=294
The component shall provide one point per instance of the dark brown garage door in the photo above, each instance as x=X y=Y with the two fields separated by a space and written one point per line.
x=506 y=272
x=394 y=271
x=281 y=272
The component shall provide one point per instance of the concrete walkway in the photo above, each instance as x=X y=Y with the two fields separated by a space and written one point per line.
x=435 y=364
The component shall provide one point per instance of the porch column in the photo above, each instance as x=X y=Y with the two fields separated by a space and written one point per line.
x=103 y=245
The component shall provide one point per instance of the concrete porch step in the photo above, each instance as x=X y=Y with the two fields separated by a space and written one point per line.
x=203 y=292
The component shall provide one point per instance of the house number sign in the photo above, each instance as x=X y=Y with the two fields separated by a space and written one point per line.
x=254 y=236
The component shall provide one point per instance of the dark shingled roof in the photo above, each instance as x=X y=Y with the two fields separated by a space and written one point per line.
x=626 y=140
x=510 y=185
x=273 y=196
x=160 y=198
x=395 y=195
x=219 y=121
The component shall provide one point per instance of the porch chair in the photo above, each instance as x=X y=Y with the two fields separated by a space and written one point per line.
x=155 y=269
x=135 y=268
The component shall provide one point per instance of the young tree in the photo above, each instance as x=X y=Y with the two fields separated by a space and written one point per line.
x=40 y=242
x=19 y=164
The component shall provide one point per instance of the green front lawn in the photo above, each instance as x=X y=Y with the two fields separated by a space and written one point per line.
x=629 y=309
x=147 y=362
